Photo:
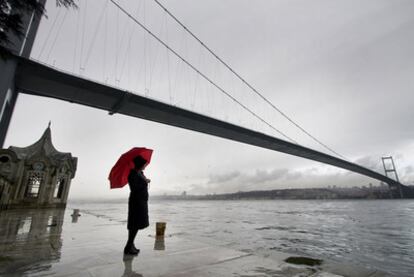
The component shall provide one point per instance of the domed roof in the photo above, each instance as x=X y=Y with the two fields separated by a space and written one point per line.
x=44 y=147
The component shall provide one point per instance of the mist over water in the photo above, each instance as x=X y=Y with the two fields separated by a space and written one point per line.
x=374 y=233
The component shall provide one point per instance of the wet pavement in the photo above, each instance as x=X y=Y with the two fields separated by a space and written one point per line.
x=56 y=243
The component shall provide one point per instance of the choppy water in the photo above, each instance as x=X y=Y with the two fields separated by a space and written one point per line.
x=376 y=233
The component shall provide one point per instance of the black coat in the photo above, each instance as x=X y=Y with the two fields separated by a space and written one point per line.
x=138 y=201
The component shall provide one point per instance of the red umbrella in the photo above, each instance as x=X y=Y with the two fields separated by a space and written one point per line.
x=118 y=177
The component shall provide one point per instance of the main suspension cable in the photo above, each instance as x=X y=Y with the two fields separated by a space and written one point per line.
x=245 y=82
x=198 y=71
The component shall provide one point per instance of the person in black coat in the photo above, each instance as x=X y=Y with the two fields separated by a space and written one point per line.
x=137 y=204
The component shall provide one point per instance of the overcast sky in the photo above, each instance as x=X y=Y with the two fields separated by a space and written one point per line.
x=342 y=69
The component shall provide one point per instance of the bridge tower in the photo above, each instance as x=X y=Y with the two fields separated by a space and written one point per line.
x=391 y=172
x=20 y=47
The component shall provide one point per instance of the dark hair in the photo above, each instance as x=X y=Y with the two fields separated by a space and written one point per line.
x=139 y=162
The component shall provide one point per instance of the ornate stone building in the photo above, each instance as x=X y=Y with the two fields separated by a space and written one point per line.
x=36 y=176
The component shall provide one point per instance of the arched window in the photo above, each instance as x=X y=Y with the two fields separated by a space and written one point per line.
x=34 y=181
x=59 y=188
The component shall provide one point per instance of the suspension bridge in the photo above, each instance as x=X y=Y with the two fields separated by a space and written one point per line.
x=25 y=75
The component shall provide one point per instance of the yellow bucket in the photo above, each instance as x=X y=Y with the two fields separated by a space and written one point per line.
x=160 y=229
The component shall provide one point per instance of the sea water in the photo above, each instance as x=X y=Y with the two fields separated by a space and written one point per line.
x=373 y=233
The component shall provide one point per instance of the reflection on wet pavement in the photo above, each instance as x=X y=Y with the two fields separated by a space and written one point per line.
x=30 y=239
x=128 y=272
x=159 y=243
x=75 y=215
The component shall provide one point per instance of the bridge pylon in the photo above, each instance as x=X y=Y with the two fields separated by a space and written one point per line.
x=391 y=172
x=19 y=46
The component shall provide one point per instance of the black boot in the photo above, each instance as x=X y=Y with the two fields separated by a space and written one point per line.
x=134 y=248
x=130 y=250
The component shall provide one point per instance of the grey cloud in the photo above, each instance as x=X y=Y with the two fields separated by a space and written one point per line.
x=259 y=177
x=280 y=178
x=370 y=162
x=294 y=175
x=222 y=178
x=263 y=176
x=409 y=169
x=407 y=175
x=237 y=181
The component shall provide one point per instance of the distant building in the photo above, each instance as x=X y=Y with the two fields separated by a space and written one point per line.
x=36 y=176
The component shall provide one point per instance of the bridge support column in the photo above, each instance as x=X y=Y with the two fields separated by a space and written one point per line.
x=8 y=95
x=391 y=171
x=21 y=47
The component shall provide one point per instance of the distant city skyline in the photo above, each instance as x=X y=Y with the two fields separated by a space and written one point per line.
x=343 y=71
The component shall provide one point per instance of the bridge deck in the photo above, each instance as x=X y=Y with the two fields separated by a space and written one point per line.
x=38 y=79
